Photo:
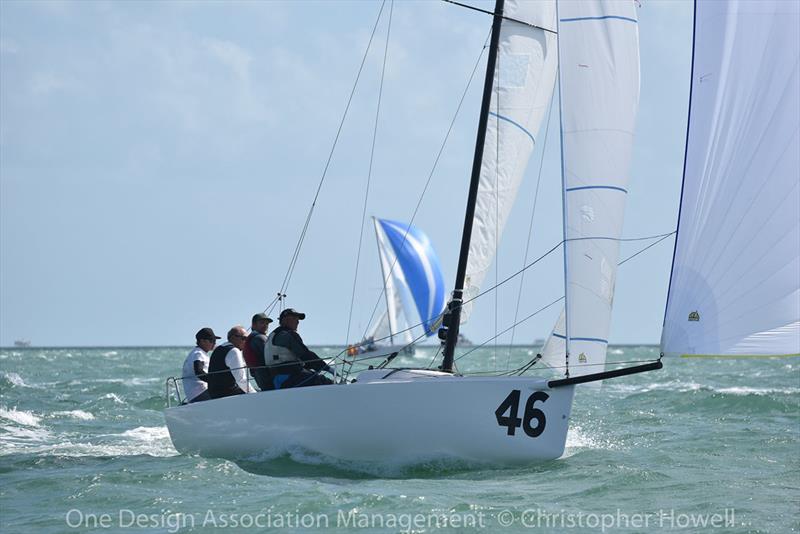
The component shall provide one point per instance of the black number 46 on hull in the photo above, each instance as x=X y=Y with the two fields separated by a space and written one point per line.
x=512 y=422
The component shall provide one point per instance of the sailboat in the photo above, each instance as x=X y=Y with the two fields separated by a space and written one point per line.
x=734 y=283
x=413 y=287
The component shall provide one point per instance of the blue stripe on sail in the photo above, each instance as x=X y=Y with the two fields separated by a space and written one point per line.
x=420 y=267
x=597 y=339
x=518 y=125
x=579 y=188
x=617 y=17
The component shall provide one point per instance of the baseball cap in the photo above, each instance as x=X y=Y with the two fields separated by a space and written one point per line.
x=206 y=333
x=291 y=311
x=261 y=317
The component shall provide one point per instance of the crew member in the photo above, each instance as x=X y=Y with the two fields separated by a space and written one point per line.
x=254 y=350
x=226 y=370
x=195 y=366
x=290 y=362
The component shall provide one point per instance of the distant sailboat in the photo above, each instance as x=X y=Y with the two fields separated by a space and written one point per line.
x=413 y=289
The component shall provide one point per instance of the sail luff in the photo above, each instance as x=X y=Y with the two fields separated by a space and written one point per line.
x=556 y=340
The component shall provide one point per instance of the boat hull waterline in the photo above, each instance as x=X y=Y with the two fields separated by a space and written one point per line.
x=399 y=419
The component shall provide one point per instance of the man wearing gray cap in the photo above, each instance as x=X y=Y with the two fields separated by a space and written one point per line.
x=254 y=349
x=195 y=367
x=289 y=361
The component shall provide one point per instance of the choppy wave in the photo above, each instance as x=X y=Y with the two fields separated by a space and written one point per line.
x=684 y=386
x=75 y=414
x=20 y=416
x=139 y=441
x=14 y=379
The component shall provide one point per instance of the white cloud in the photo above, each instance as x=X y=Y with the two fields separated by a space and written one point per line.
x=232 y=55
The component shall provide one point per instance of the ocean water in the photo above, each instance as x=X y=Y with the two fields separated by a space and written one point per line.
x=702 y=445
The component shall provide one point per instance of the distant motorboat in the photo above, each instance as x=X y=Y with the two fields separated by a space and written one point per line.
x=22 y=343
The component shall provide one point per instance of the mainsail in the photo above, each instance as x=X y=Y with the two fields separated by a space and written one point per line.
x=523 y=83
x=735 y=283
x=599 y=87
x=412 y=277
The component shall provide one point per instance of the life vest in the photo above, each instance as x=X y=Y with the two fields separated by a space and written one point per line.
x=252 y=356
x=220 y=379
x=278 y=356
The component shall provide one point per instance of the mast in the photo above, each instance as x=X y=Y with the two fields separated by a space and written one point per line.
x=454 y=307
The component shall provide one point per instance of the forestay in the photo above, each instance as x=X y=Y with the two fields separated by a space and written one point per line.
x=523 y=84
x=735 y=283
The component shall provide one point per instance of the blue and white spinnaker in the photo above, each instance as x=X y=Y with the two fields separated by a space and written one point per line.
x=413 y=284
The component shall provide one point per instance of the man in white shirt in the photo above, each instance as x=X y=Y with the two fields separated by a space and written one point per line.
x=227 y=370
x=195 y=367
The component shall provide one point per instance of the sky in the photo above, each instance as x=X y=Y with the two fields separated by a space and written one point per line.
x=158 y=160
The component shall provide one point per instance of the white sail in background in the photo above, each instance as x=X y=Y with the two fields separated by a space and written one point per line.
x=387 y=325
x=735 y=283
x=555 y=347
x=599 y=77
x=523 y=85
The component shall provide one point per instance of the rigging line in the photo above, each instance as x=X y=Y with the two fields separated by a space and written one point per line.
x=428 y=182
x=530 y=225
x=473 y=8
x=663 y=237
x=435 y=356
x=369 y=172
x=647 y=247
x=540 y=310
x=301 y=239
x=555 y=247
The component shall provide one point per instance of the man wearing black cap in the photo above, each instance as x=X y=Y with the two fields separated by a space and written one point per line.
x=195 y=367
x=290 y=362
x=254 y=350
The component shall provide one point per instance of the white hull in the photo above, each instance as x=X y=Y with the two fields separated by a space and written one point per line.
x=406 y=417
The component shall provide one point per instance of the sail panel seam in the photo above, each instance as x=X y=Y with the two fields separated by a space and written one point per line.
x=581 y=187
x=604 y=17
x=518 y=125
